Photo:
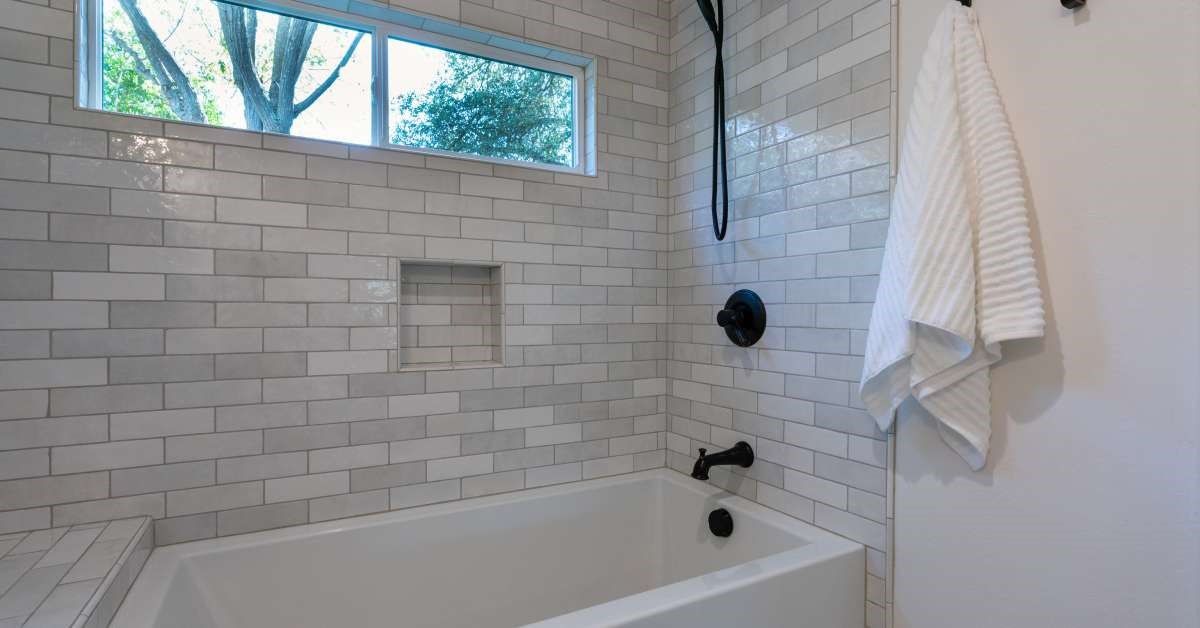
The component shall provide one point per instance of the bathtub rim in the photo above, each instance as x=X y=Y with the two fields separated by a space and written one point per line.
x=145 y=598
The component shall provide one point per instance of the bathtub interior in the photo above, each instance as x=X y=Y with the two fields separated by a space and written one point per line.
x=505 y=562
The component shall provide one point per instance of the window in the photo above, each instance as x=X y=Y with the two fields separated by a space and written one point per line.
x=267 y=71
x=371 y=76
x=462 y=103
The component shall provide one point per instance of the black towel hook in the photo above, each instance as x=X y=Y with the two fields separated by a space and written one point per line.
x=1067 y=4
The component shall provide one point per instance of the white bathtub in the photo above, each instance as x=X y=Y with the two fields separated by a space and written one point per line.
x=633 y=550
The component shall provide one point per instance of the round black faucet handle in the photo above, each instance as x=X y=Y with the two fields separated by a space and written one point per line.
x=702 y=452
x=729 y=317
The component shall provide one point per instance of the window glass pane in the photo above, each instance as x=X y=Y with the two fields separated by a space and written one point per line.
x=462 y=103
x=224 y=64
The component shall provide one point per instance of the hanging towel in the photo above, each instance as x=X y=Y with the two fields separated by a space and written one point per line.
x=958 y=274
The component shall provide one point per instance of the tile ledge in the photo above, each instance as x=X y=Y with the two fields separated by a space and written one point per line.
x=119 y=571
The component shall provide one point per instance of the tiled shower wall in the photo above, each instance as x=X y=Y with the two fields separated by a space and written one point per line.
x=194 y=322
x=192 y=319
x=809 y=117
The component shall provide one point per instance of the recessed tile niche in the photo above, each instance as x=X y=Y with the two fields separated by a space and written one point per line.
x=449 y=315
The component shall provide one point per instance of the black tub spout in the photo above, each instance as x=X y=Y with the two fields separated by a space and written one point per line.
x=740 y=454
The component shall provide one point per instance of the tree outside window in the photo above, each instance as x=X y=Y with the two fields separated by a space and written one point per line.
x=228 y=65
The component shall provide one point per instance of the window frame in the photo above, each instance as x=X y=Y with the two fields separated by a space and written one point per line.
x=89 y=77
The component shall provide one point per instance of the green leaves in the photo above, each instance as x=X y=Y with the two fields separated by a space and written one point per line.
x=135 y=72
x=492 y=109
x=126 y=90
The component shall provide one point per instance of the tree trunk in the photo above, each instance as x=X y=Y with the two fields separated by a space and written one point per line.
x=161 y=67
x=239 y=29
x=272 y=110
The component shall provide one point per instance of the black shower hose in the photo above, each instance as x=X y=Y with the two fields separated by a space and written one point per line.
x=716 y=23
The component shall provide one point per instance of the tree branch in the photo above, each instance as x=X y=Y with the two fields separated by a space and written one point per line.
x=333 y=76
x=238 y=42
x=175 y=85
x=291 y=48
x=139 y=64
x=283 y=33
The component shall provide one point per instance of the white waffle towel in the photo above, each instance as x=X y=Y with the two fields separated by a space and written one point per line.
x=958 y=273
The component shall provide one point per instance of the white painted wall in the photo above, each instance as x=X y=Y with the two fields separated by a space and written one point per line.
x=1087 y=514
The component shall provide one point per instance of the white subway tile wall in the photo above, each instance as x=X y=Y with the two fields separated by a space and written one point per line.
x=209 y=326
x=809 y=106
x=203 y=325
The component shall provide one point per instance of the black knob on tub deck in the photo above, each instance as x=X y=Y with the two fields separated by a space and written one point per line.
x=720 y=522
x=744 y=318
